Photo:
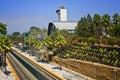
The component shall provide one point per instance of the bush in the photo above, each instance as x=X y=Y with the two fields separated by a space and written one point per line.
x=112 y=41
x=104 y=40
x=116 y=63
x=91 y=40
x=118 y=41
x=82 y=40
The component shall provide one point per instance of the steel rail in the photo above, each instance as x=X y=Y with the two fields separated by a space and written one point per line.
x=20 y=70
x=47 y=73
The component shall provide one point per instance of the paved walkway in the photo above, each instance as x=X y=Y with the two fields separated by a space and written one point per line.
x=4 y=77
x=66 y=73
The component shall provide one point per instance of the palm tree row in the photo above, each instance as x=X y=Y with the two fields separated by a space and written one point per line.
x=45 y=47
x=102 y=28
x=48 y=43
x=97 y=25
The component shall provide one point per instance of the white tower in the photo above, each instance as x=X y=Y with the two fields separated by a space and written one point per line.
x=62 y=13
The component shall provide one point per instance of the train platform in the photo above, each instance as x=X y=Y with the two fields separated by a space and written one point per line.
x=65 y=73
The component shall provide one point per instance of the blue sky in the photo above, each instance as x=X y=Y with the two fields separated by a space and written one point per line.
x=20 y=15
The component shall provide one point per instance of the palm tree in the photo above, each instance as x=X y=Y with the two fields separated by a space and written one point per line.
x=106 y=21
x=116 y=25
x=48 y=44
x=30 y=41
x=97 y=21
x=54 y=34
x=44 y=32
x=60 y=42
x=37 y=32
x=38 y=46
x=3 y=28
x=116 y=18
x=5 y=44
x=64 y=32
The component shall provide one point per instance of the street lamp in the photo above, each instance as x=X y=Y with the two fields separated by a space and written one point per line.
x=115 y=74
x=95 y=65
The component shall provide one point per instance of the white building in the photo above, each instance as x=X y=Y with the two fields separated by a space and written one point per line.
x=62 y=13
x=62 y=22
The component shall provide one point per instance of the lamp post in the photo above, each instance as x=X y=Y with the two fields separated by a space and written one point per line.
x=24 y=43
x=29 y=45
x=95 y=65
x=115 y=74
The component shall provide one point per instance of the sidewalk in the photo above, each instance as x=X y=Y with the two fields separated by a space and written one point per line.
x=66 y=73
x=5 y=77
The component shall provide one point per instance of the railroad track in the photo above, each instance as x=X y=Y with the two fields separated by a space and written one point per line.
x=20 y=70
x=39 y=72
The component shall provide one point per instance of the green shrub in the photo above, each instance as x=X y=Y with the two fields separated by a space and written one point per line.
x=104 y=40
x=112 y=62
x=118 y=41
x=108 y=61
x=101 y=50
x=116 y=63
x=112 y=41
x=87 y=48
x=67 y=55
x=91 y=40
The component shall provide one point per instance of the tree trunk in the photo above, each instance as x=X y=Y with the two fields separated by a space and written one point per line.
x=106 y=30
x=60 y=59
x=4 y=62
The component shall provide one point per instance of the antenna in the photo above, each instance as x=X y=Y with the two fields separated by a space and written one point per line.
x=62 y=7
